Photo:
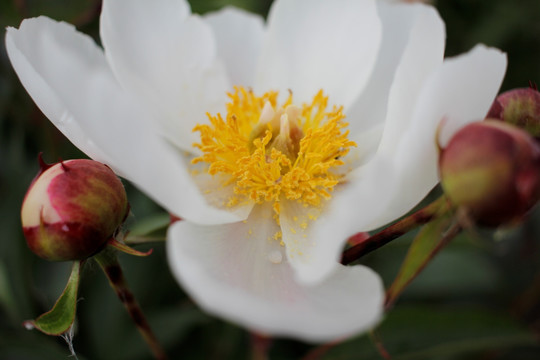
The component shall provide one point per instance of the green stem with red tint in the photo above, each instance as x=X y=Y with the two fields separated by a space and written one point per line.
x=108 y=261
x=428 y=242
x=411 y=222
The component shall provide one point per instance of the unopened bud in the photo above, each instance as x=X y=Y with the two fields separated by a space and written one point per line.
x=492 y=170
x=72 y=209
x=519 y=107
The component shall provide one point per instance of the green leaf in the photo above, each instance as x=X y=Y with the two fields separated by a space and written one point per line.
x=150 y=225
x=435 y=332
x=428 y=332
x=425 y=245
x=477 y=275
x=149 y=229
x=60 y=318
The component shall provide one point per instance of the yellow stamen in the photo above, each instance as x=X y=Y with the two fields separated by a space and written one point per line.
x=272 y=153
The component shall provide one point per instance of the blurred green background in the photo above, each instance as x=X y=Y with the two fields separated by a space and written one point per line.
x=477 y=300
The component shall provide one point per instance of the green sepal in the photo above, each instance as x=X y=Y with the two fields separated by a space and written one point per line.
x=431 y=238
x=61 y=317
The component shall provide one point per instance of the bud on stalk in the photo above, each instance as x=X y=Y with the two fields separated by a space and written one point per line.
x=492 y=170
x=72 y=209
x=519 y=107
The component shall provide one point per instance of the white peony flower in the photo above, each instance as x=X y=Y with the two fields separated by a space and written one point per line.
x=276 y=183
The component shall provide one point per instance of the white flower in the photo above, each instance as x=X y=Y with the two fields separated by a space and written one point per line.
x=264 y=254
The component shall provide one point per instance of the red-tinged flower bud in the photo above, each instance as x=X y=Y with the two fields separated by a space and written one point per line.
x=519 y=107
x=492 y=170
x=72 y=209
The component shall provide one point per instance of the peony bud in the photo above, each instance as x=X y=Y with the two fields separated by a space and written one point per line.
x=519 y=107
x=72 y=209
x=492 y=170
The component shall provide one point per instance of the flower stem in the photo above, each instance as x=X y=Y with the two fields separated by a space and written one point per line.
x=377 y=341
x=260 y=345
x=320 y=351
x=108 y=261
x=411 y=222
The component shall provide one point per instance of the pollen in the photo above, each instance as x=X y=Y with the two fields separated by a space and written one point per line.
x=273 y=153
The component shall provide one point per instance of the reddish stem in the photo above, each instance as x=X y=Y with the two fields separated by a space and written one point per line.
x=260 y=345
x=394 y=231
x=320 y=351
x=108 y=261
x=377 y=341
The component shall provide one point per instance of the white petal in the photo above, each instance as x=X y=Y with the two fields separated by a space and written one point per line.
x=67 y=76
x=423 y=55
x=398 y=22
x=25 y=48
x=461 y=91
x=320 y=44
x=245 y=278
x=168 y=57
x=315 y=250
x=367 y=142
x=481 y=72
x=365 y=202
x=216 y=193
x=239 y=37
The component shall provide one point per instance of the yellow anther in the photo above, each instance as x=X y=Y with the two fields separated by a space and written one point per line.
x=272 y=153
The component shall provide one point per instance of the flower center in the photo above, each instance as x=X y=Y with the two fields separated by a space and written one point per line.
x=273 y=153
